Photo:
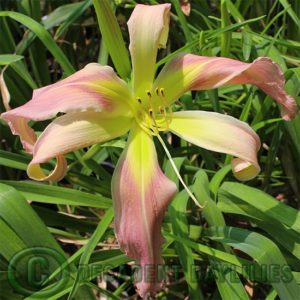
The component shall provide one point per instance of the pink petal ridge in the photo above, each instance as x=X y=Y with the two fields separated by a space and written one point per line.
x=141 y=194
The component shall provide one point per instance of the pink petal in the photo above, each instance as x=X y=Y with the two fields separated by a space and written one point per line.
x=95 y=88
x=191 y=72
x=220 y=133
x=185 y=7
x=74 y=131
x=148 y=30
x=141 y=194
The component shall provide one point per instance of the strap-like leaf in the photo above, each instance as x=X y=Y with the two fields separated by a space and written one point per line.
x=112 y=36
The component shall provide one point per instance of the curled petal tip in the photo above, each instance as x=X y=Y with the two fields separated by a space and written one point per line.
x=244 y=170
x=35 y=171
x=270 y=79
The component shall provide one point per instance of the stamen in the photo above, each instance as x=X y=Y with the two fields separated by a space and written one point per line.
x=153 y=124
x=143 y=122
x=149 y=93
x=169 y=114
x=177 y=172
x=165 y=118
x=151 y=117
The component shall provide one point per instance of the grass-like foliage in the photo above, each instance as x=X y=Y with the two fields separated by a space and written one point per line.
x=57 y=238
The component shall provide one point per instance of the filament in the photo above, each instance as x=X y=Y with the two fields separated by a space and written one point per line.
x=177 y=172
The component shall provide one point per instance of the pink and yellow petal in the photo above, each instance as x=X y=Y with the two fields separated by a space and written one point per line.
x=148 y=30
x=220 y=133
x=191 y=72
x=74 y=131
x=95 y=87
x=141 y=194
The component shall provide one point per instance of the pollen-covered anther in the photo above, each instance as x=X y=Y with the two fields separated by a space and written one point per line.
x=162 y=92
x=139 y=100
x=148 y=93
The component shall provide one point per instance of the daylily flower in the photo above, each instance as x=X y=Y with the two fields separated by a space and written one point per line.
x=99 y=106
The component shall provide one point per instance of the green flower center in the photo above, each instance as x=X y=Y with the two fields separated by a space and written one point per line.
x=151 y=111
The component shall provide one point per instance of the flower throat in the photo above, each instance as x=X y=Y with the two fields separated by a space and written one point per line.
x=152 y=113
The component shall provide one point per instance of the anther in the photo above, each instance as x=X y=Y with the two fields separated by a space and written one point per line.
x=162 y=91
x=157 y=91
x=151 y=112
x=139 y=100
x=149 y=93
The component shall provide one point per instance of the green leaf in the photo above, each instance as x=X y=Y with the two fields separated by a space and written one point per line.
x=58 y=195
x=218 y=178
x=73 y=15
x=24 y=237
x=257 y=212
x=182 y=20
x=264 y=203
x=44 y=36
x=238 y=264
x=265 y=252
x=210 y=210
x=61 y=14
x=247 y=44
x=226 y=36
x=111 y=33
x=90 y=246
x=91 y=271
x=13 y=209
x=6 y=59
x=290 y=11
x=227 y=287
x=13 y=160
x=177 y=211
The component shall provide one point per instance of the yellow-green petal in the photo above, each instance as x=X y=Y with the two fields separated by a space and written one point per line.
x=148 y=30
x=74 y=131
x=220 y=133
